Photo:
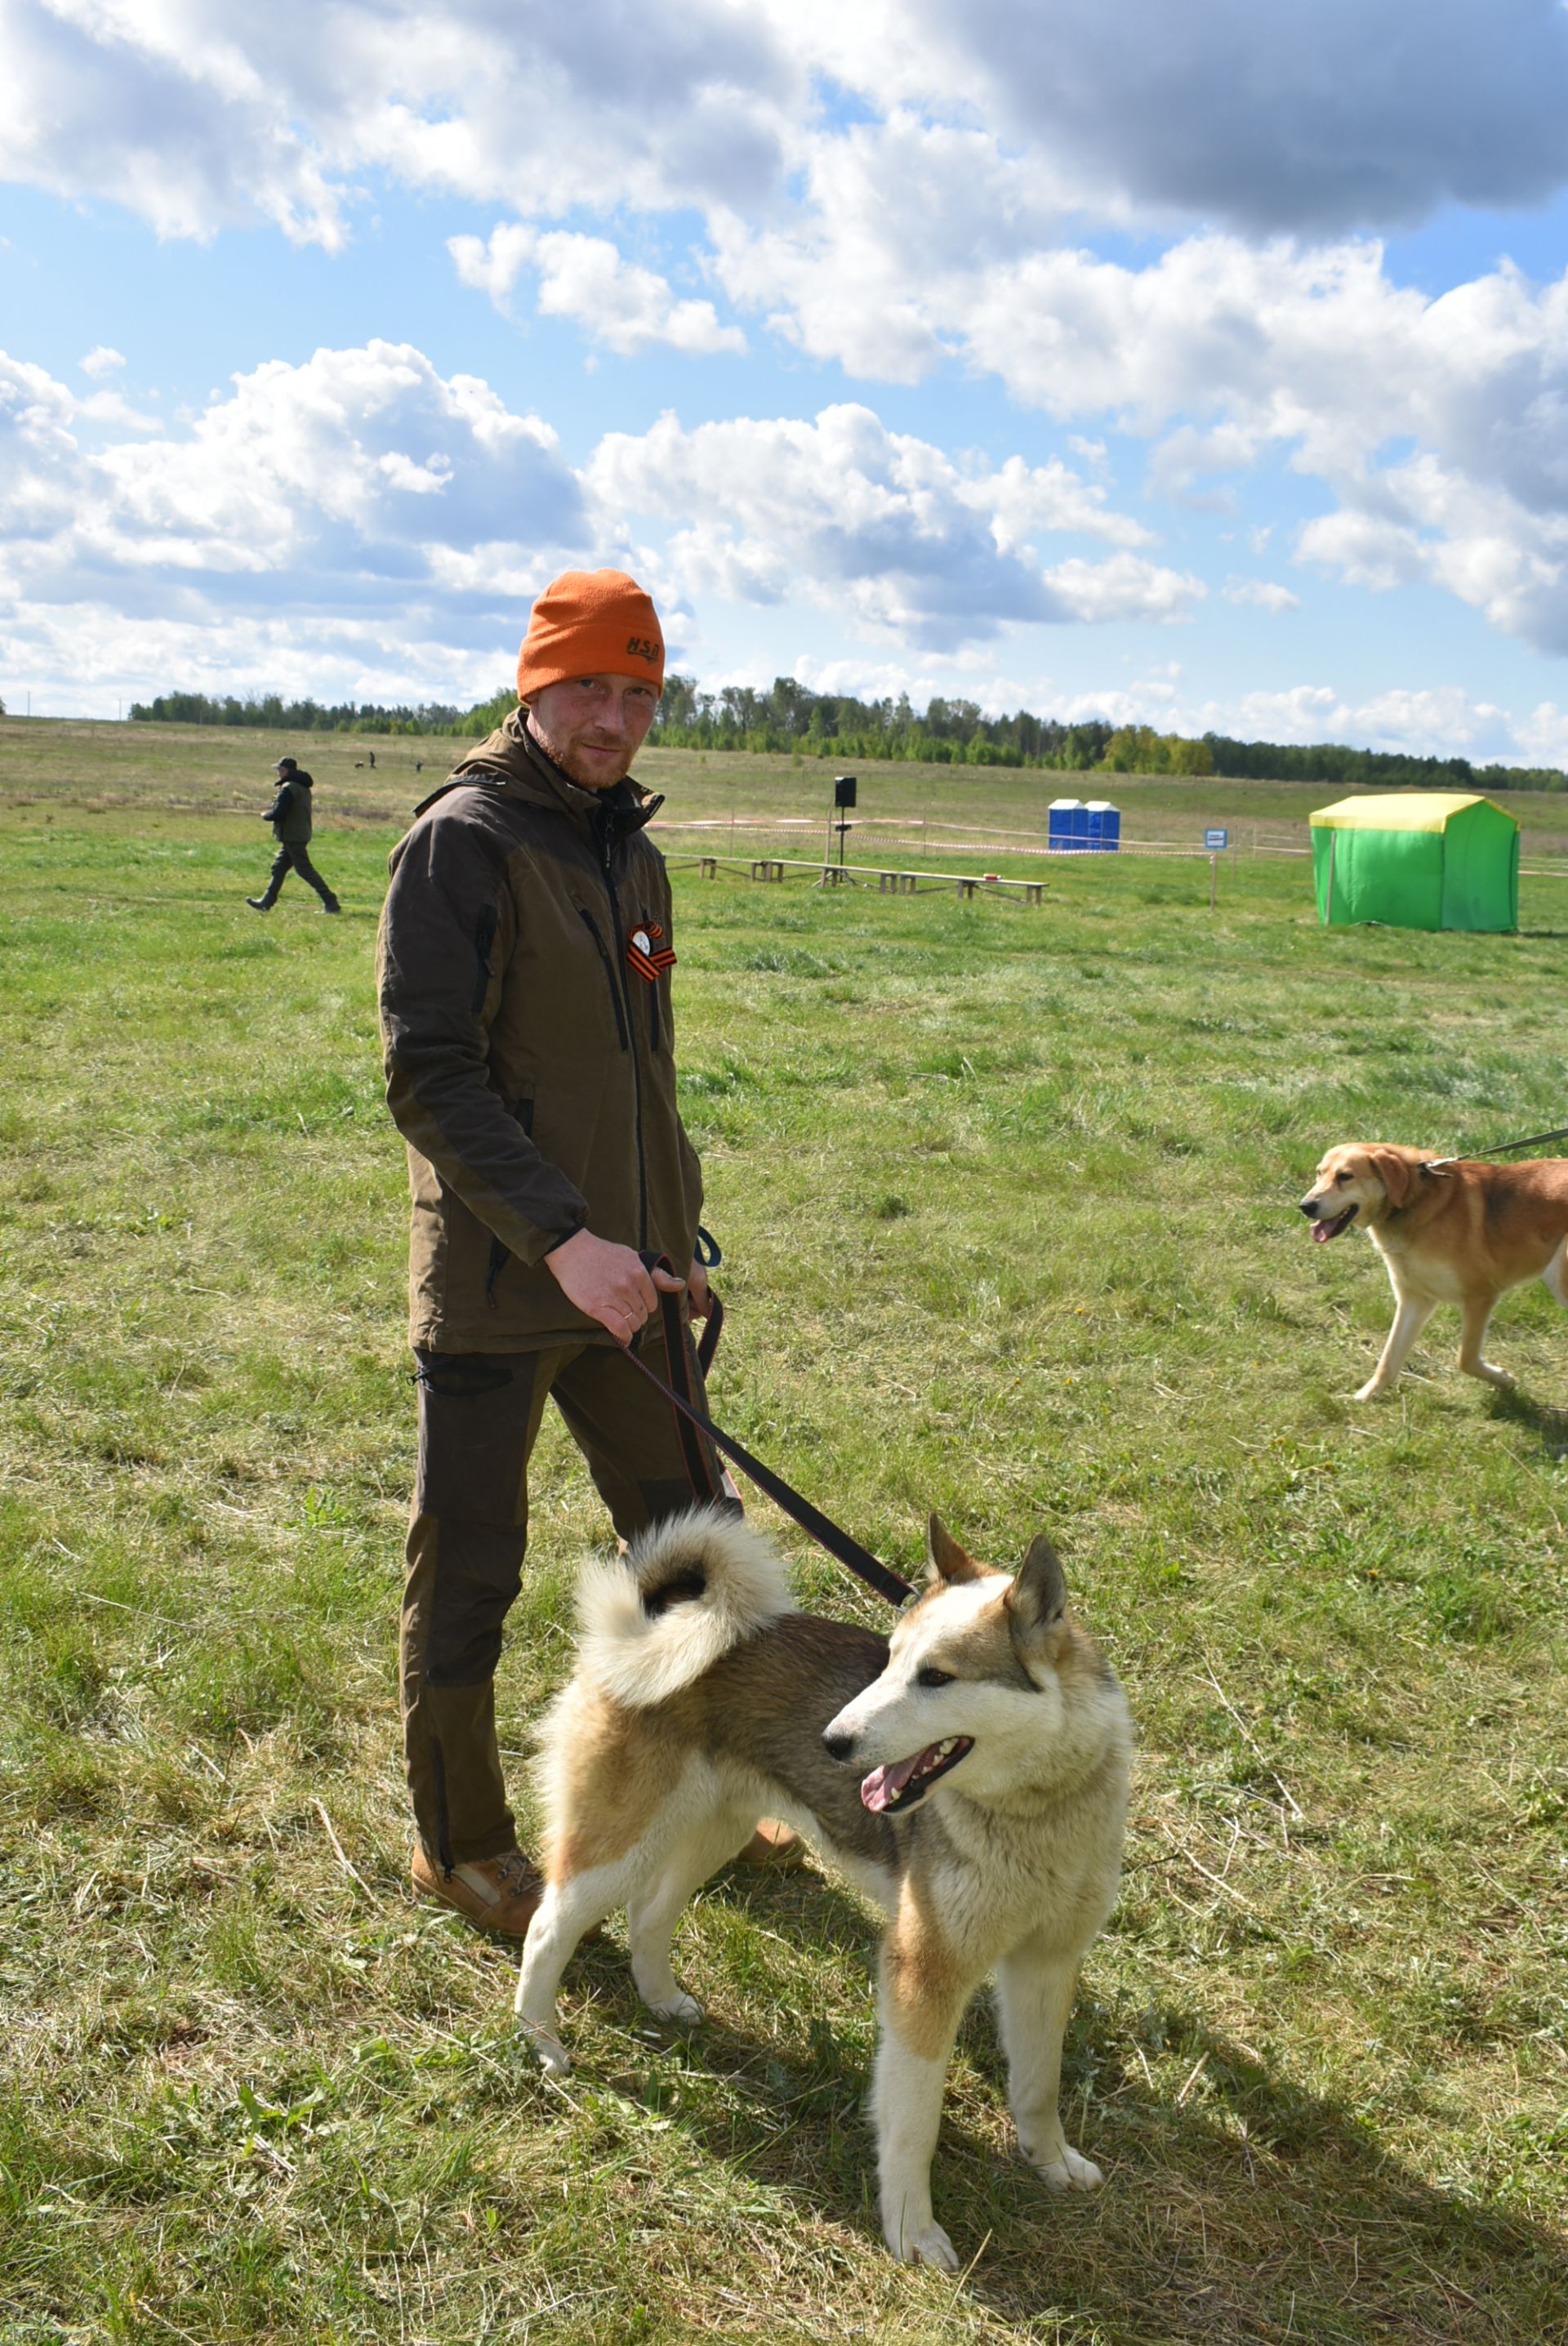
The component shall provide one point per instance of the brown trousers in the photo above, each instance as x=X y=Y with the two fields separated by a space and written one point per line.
x=479 y=1415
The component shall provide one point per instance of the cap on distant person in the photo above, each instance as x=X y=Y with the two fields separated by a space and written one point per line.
x=591 y=623
x=285 y=765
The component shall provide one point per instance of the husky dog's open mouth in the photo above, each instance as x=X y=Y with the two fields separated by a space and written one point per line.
x=1326 y=1228
x=899 y=1783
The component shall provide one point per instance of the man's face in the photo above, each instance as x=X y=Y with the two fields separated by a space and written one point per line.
x=592 y=726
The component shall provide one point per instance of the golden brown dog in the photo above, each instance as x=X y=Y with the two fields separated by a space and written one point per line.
x=1450 y=1229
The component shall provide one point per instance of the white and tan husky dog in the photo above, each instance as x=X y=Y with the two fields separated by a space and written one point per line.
x=970 y=1777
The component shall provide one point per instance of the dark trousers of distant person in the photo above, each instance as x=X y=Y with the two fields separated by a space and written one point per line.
x=295 y=859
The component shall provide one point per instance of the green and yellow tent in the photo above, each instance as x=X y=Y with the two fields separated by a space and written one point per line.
x=1417 y=860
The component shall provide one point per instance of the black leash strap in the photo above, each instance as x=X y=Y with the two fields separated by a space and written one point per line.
x=1507 y=1148
x=822 y=1528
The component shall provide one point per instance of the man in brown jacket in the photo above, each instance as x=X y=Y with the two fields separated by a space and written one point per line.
x=524 y=969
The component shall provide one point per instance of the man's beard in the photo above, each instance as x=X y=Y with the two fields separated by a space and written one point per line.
x=591 y=776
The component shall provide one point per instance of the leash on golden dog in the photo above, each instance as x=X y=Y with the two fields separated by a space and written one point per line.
x=677 y=1392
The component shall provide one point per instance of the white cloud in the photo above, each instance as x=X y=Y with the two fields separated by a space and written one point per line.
x=1263 y=594
x=1125 y=587
x=617 y=303
x=101 y=361
x=894 y=219
x=362 y=503
x=879 y=526
x=199 y=117
x=1437 y=425
x=944 y=218
x=1311 y=115
x=1430 y=721
x=325 y=517
x=1543 y=736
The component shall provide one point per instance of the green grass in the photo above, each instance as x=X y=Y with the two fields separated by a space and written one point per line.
x=1006 y=1196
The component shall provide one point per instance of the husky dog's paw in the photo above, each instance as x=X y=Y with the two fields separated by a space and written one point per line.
x=1071 y=2172
x=552 y=2054
x=681 y=2011
x=928 y=2247
x=1496 y=1376
x=1370 y=1390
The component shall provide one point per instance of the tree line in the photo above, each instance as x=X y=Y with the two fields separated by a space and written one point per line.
x=791 y=718
x=271 y=711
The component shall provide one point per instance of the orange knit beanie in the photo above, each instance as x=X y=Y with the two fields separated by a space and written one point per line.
x=591 y=623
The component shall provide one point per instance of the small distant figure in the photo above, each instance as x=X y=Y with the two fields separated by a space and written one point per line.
x=371 y=759
x=290 y=816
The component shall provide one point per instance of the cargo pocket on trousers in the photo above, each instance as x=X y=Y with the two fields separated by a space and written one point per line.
x=473 y=1436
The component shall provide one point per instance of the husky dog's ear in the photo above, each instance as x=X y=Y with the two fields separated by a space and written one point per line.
x=1038 y=1596
x=948 y=1560
x=1392 y=1168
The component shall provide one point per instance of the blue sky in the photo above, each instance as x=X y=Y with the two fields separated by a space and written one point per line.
x=1204 y=367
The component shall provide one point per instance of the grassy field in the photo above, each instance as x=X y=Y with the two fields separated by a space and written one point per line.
x=1007 y=1197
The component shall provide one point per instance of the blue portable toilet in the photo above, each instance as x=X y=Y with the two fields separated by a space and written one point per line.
x=1079 y=819
x=1104 y=825
x=1059 y=836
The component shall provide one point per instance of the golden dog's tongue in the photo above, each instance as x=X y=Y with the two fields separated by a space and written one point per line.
x=1322 y=1232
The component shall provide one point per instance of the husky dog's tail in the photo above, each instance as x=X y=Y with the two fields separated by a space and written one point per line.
x=696 y=1583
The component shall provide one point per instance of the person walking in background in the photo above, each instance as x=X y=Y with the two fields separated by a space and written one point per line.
x=525 y=976
x=290 y=816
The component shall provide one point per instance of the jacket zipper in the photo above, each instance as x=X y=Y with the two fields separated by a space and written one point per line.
x=607 y=857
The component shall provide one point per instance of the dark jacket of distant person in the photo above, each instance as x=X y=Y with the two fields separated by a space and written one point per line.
x=529 y=1069
x=290 y=813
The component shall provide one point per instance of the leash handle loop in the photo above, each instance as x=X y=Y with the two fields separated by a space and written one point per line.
x=821 y=1527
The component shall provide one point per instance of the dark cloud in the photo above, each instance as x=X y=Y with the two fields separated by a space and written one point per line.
x=1311 y=117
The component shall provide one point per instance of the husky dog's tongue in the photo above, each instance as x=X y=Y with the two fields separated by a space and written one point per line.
x=899 y=1783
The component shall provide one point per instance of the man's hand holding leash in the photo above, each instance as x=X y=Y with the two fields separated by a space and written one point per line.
x=609 y=1283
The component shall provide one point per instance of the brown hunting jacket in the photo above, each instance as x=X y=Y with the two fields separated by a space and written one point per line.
x=529 y=1060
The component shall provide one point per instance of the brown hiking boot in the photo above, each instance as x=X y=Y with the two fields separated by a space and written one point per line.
x=499 y=1894
x=775 y=1847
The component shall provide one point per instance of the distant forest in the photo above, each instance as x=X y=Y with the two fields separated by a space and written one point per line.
x=270 y=712
x=794 y=721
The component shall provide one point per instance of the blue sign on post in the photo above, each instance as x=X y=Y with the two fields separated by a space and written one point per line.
x=1213 y=839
